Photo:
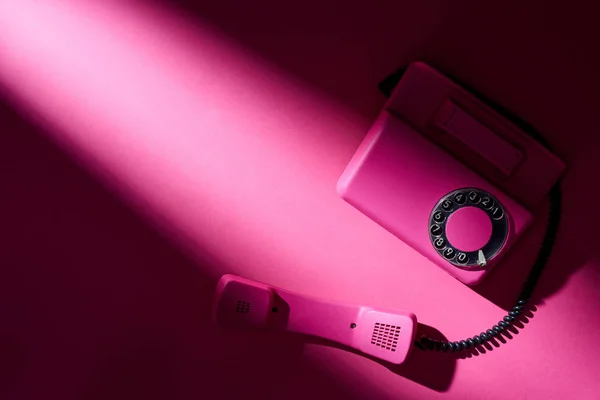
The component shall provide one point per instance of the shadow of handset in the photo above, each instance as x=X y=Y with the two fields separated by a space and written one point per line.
x=384 y=336
x=418 y=365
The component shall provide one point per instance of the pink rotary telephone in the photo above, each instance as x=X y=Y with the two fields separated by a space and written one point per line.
x=448 y=175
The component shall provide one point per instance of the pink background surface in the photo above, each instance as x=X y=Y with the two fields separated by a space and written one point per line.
x=156 y=148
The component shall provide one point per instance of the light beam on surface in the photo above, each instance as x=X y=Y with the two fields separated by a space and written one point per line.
x=240 y=158
x=207 y=139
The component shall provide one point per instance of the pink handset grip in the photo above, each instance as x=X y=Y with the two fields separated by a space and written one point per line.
x=385 y=334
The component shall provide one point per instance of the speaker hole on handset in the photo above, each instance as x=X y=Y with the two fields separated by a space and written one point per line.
x=385 y=336
x=243 y=307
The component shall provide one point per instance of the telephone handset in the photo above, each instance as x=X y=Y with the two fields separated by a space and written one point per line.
x=448 y=175
x=245 y=304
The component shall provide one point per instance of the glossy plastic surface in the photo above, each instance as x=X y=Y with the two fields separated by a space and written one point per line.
x=396 y=178
x=434 y=137
x=475 y=133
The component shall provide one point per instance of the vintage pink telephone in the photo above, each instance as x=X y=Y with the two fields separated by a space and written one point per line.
x=448 y=175
x=441 y=169
x=244 y=304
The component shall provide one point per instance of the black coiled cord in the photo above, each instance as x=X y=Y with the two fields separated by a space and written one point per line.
x=427 y=343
